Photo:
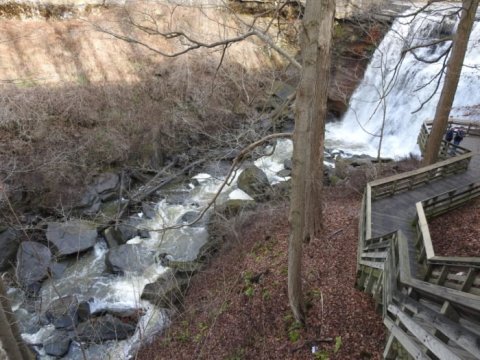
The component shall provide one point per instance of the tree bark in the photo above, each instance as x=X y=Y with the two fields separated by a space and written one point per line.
x=9 y=333
x=308 y=139
x=452 y=77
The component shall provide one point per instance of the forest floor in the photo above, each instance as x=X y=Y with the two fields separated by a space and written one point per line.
x=237 y=307
x=457 y=233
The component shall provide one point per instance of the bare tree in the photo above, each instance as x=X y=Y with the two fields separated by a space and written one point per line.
x=308 y=139
x=452 y=77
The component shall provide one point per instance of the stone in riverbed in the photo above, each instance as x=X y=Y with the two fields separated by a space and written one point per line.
x=57 y=344
x=129 y=258
x=33 y=260
x=72 y=237
x=167 y=291
x=106 y=185
x=254 y=182
x=63 y=312
x=103 y=328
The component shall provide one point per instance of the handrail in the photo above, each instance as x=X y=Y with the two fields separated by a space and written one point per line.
x=416 y=310
x=472 y=127
x=433 y=207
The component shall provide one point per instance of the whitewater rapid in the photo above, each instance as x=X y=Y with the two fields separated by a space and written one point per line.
x=395 y=87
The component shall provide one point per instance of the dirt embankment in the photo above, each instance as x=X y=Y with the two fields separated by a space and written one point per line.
x=77 y=101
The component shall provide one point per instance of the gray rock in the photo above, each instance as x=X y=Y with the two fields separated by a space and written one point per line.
x=83 y=311
x=8 y=247
x=28 y=323
x=63 y=312
x=148 y=210
x=284 y=173
x=106 y=185
x=128 y=230
x=57 y=344
x=254 y=182
x=72 y=237
x=190 y=216
x=89 y=203
x=33 y=260
x=113 y=237
x=129 y=258
x=104 y=328
x=167 y=291
x=57 y=269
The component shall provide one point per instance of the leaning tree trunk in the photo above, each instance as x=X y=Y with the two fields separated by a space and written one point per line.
x=308 y=141
x=452 y=77
x=10 y=337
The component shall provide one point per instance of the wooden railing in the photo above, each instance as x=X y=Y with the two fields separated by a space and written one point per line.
x=447 y=149
x=436 y=316
x=424 y=320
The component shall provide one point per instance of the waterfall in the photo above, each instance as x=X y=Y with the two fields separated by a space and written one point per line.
x=395 y=87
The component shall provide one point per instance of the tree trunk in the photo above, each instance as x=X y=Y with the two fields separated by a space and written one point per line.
x=308 y=139
x=454 y=68
x=9 y=333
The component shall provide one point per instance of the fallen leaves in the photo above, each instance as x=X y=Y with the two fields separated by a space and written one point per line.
x=237 y=308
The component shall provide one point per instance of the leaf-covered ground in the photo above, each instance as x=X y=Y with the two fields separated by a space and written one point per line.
x=237 y=307
x=457 y=233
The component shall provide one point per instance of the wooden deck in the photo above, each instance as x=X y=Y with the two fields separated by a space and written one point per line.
x=430 y=304
x=398 y=212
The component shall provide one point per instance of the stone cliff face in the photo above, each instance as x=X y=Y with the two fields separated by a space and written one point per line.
x=354 y=43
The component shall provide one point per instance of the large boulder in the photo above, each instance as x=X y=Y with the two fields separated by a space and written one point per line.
x=103 y=328
x=71 y=237
x=88 y=204
x=254 y=182
x=57 y=344
x=8 y=247
x=167 y=291
x=129 y=258
x=106 y=185
x=62 y=312
x=33 y=260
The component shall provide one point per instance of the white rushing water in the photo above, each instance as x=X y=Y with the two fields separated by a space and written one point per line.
x=394 y=88
x=88 y=279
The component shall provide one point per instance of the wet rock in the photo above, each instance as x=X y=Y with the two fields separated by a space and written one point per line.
x=113 y=237
x=57 y=344
x=103 y=328
x=28 y=323
x=63 y=312
x=83 y=311
x=190 y=216
x=129 y=258
x=33 y=260
x=106 y=186
x=89 y=203
x=284 y=173
x=72 y=237
x=57 y=269
x=167 y=291
x=254 y=182
x=128 y=230
x=8 y=247
x=148 y=210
